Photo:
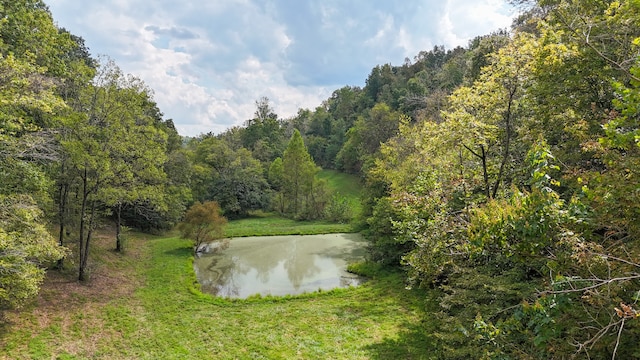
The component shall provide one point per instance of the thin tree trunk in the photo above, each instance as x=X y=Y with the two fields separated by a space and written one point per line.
x=85 y=257
x=83 y=209
x=282 y=202
x=464 y=185
x=507 y=141
x=118 y=227
x=485 y=173
x=296 y=187
x=62 y=208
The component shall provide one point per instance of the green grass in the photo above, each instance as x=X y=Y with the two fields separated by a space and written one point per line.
x=346 y=185
x=265 y=224
x=346 y=324
x=168 y=318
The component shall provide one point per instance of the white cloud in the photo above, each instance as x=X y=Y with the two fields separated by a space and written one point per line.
x=209 y=61
x=463 y=18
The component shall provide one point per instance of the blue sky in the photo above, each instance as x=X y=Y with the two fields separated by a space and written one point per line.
x=209 y=61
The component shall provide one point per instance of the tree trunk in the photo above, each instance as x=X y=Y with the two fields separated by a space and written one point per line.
x=62 y=208
x=507 y=141
x=485 y=173
x=85 y=254
x=464 y=185
x=118 y=227
x=83 y=209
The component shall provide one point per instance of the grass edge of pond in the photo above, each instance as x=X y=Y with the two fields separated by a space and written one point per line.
x=367 y=269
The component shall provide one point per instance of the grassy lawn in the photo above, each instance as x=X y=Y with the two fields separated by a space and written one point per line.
x=265 y=224
x=145 y=305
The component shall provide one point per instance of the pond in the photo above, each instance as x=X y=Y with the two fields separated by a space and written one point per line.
x=278 y=265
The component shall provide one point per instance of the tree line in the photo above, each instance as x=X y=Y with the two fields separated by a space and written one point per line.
x=501 y=176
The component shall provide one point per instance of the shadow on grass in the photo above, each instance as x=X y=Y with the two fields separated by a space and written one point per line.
x=411 y=343
x=414 y=339
x=183 y=251
x=5 y=327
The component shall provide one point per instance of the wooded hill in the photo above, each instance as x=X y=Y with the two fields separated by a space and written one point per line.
x=503 y=175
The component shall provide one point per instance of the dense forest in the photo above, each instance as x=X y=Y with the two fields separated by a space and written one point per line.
x=503 y=176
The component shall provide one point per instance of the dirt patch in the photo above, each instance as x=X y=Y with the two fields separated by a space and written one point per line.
x=111 y=275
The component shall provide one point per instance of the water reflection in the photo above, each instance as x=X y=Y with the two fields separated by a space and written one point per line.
x=279 y=265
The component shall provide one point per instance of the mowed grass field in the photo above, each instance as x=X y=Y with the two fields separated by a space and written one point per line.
x=145 y=304
x=267 y=224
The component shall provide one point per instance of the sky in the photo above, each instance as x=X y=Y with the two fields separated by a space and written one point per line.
x=209 y=61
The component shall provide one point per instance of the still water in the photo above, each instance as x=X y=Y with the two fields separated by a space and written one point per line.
x=279 y=265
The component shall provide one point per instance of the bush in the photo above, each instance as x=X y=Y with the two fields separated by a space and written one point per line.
x=203 y=223
x=339 y=209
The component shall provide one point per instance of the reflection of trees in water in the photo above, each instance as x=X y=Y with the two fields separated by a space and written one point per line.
x=350 y=248
x=299 y=260
x=299 y=264
x=222 y=279
x=228 y=285
x=266 y=258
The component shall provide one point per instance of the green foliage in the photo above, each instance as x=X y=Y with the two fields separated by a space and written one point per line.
x=613 y=193
x=263 y=135
x=469 y=201
x=241 y=186
x=203 y=223
x=113 y=152
x=302 y=195
x=26 y=95
x=384 y=248
x=28 y=31
x=454 y=149
x=233 y=178
x=365 y=137
x=26 y=248
x=338 y=209
x=276 y=174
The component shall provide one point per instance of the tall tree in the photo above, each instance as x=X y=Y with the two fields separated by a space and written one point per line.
x=241 y=186
x=299 y=183
x=29 y=45
x=233 y=178
x=113 y=152
x=28 y=32
x=485 y=117
x=263 y=134
x=26 y=247
x=363 y=140
x=140 y=179
x=276 y=180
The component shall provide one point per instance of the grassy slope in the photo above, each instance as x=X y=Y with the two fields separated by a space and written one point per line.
x=346 y=185
x=144 y=305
